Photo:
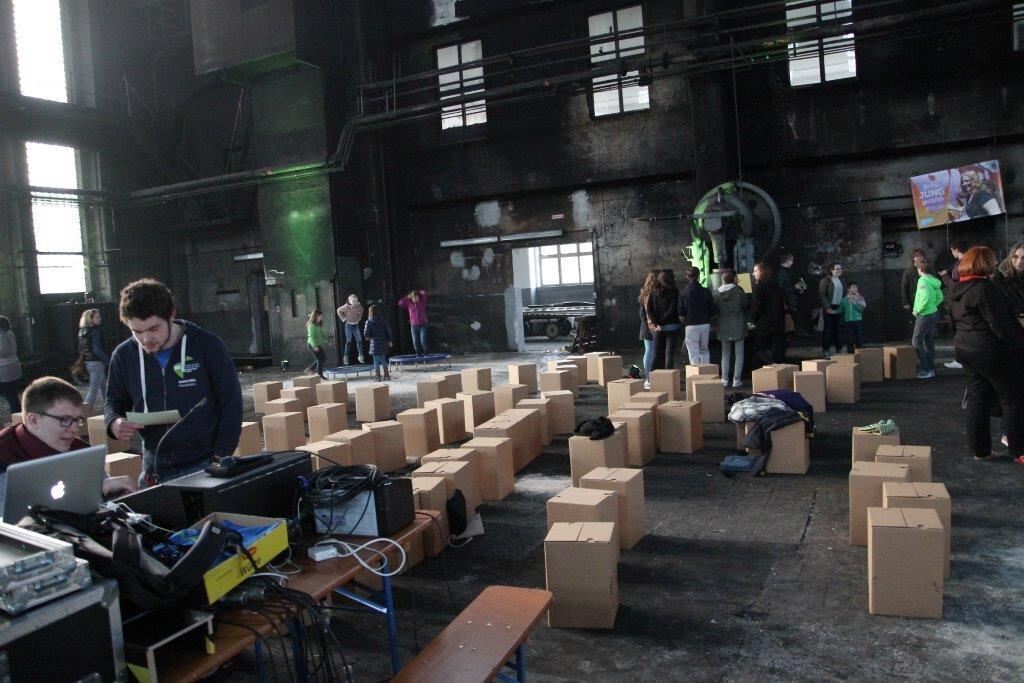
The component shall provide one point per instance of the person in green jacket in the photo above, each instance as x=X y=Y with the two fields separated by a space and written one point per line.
x=316 y=340
x=926 y=317
x=851 y=307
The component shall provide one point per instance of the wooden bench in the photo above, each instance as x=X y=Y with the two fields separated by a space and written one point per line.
x=483 y=639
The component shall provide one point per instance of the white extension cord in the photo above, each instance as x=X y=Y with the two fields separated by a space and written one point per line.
x=331 y=548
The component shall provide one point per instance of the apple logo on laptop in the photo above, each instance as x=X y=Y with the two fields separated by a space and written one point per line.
x=57 y=492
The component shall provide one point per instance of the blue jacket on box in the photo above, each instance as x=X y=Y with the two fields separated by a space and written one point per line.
x=199 y=367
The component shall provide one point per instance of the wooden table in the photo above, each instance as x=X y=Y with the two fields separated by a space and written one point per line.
x=317 y=579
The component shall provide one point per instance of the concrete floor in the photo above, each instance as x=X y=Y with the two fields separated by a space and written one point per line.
x=739 y=579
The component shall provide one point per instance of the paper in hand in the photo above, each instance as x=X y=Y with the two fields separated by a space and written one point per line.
x=161 y=417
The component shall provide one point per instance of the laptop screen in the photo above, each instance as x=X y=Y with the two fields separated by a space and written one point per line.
x=71 y=481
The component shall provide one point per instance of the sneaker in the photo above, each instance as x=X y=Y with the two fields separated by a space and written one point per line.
x=737 y=383
x=828 y=355
x=926 y=374
x=954 y=365
x=345 y=362
x=984 y=457
x=647 y=386
x=725 y=382
x=362 y=360
x=1004 y=441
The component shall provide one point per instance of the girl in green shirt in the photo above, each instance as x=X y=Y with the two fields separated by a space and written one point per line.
x=316 y=339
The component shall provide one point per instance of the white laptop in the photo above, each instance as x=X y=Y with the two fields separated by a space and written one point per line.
x=71 y=481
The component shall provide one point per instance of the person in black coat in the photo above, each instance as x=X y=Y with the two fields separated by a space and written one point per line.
x=663 y=319
x=988 y=344
x=768 y=314
x=697 y=307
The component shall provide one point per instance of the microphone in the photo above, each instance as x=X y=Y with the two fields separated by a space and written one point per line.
x=156 y=452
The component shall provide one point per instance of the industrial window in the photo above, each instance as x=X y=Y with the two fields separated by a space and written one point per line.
x=824 y=59
x=618 y=92
x=40 y=49
x=460 y=83
x=565 y=264
x=56 y=218
x=1018 y=26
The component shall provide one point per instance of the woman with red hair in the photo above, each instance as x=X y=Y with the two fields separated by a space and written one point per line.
x=988 y=345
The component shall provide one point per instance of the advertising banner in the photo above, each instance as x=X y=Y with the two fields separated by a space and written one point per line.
x=958 y=194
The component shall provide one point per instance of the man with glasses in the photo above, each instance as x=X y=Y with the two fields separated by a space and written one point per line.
x=51 y=421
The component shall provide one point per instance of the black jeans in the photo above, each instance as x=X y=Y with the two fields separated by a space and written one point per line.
x=993 y=376
x=769 y=347
x=830 y=335
x=319 y=357
x=9 y=390
x=665 y=344
x=854 y=333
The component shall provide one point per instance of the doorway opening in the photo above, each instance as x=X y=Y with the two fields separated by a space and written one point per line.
x=554 y=287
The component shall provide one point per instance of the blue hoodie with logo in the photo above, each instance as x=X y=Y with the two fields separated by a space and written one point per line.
x=208 y=372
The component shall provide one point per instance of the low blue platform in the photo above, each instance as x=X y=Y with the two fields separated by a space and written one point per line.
x=344 y=371
x=422 y=362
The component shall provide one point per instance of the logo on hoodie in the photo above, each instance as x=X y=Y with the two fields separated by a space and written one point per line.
x=190 y=366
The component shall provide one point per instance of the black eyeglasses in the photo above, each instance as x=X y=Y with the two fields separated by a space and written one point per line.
x=66 y=420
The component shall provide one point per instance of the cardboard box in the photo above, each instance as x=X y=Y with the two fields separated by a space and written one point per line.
x=648 y=404
x=900 y=362
x=905 y=562
x=844 y=358
x=476 y=379
x=419 y=427
x=561 y=412
x=923 y=495
x=225 y=575
x=126 y=465
x=532 y=440
x=413 y=552
x=326 y=453
x=360 y=446
x=864 y=446
x=388 y=444
x=641 y=446
x=629 y=484
x=451 y=419
x=842 y=383
x=585 y=455
x=866 y=479
x=872 y=364
x=917 y=458
x=541 y=405
x=306 y=395
x=470 y=456
x=263 y=392
x=305 y=381
x=525 y=374
x=585 y=505
x=284 y=405
x=666 y=382
x=97 y=428
x=250 y=440
x=791 y=450
x=431 y=493
x=594 y=365
x=516 y=429
x=609 y=369
x=620 y=391
x=582 y=599
x=326 y=418
x=771 y=377
x=556 y=380
x=497 y=472
x=506 y=396
x=581 y=363
x=701 y=370
x=284 y=431
x=741 y=434
x=811 y=385
x=478 y=407
x=682 y=427
x=577 y=377
x=457 y=475
x=453 y=382
x=711 y=395
x=373 y=403
x=430 y=390
x=332 y=391
x=817 y=365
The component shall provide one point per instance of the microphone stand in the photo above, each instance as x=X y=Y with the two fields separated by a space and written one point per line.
x=156 y=451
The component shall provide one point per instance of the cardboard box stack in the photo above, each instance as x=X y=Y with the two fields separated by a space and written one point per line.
x=263 y=392
x=332 y=391
x=585 y=505
x=641 y=446
x=905 y=562
x=250 y=441
x=514 y=428
x=326 y=418
x=497 y=470
x=629 y=485
x=866 y=479
x=284 y=431
x=575 y=376
x=523 y=373
x=900 y=362
x=586 y=454
x=457 y=475
x=872 y=364
x=811 y=385
x=373 y=403
x=478 y=407
x=582 y=599
x=581 y=363
x=707 y=370
x=842 y=383
x=360 y=447
x=430 y=389
x=283 y=405
x=666 y=382
x=594 y=365
x=431 y=494
x=451 y=419
x=648 y=400
x=466 y=455
x=561 y=412
x=864 y=446
x=917 y=458
x=306 y=381
x=682 y=427
x=419 y=428
x=476 y=379
x=506 y=396
x=923 y=495
x=541 y=405
x=620 y=391
x=388 y=444
x=305 y=395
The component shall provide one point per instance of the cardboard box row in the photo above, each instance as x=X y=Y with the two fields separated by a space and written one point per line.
x=335 y=391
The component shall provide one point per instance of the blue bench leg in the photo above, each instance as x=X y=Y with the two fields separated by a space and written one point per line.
x=261 y=673
x=521 y=664
x=389 y=607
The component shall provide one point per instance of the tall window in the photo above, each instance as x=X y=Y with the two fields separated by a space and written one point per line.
x=56 y=218
x=617 y=93
x=461 y=82
x=1018 y=26
x=40 y=49
x=566 y=264
x=826 y=59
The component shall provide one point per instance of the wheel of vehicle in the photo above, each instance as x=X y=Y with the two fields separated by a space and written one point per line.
x=552 y=330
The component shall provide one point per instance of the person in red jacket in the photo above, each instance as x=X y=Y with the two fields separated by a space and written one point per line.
x=415 y=304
